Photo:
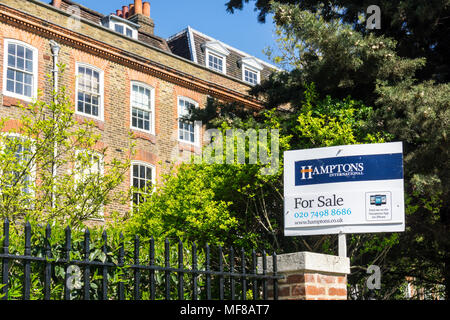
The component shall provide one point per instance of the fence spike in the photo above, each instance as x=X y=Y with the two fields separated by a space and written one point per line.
x=27 y=265
x=180 y=273
x=167 y=265
x=5 y=264
x=208 y=275
x=48 y=266
x=105 y=267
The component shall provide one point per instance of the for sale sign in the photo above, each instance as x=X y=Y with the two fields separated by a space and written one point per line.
x=344 y=189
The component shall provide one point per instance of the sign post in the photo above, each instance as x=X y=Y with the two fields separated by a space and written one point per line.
x=344 y=189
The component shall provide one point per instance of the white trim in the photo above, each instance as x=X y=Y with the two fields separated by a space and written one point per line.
x=153 y=180
x=258 y=74
x=152 y=107
x=146 y=164
x=191 y=43
x=134 y=33
x=197 y=127
x=35 y=51
x=101 y=107
x=235 y=50
x=33 y=169
x=101 y=212
x=216 y=46
x=209 y=52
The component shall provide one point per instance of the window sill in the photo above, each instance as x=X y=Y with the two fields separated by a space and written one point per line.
x=11 y=100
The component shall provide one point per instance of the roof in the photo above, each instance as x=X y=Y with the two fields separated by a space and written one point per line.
x=190 y=44
x=97 y=18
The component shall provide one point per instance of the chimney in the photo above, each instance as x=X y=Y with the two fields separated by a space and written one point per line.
x=146 y=9
x=125 y=11
x=56 y=3
x=131 y=12
x=141 y=16
x=138 y=6
x=119 y=13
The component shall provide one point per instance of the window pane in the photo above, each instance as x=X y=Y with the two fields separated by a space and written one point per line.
x=29 y=65
x=29 y=54
x=20 y=51
x=20 y=64
x=19 y=88
x=10 y=86
x=10 y=74
x=11 y=61
x=28 y=79
x=12 y=49
x=118 y=28
x=28 y=91
x=129 y=33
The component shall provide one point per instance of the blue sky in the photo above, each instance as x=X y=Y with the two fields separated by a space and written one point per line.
x=240 y=30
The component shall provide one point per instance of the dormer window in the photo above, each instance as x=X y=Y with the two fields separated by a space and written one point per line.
x=123 y=29
x=216 y=56
x=251 y=70
x=121 y=25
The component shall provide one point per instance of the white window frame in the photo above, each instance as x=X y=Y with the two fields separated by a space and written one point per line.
x=33 y=170
x=250 y=69
x=153 y=180
x=101 y=111
x=196 y=126
x=212 y=53
x=77 y=178
x=152 y=107
x=34 y=91
x=217 y=49
x=251 y=64
x=125 y=26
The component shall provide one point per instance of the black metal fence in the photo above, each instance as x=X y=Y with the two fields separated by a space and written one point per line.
x=235 y=273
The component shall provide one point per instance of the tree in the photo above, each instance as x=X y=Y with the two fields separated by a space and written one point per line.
x=342 y=58
x=234 y=203
x=420 y=27
x=340 y=61
x=52 y=169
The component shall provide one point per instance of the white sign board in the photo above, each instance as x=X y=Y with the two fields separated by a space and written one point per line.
x=344 y=189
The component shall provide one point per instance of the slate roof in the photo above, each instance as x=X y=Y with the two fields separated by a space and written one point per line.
x=97 y=18
x=189 y=44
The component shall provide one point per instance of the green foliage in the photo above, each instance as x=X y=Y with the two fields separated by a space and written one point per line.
x=186 y=206
x=339 y=60
x=52 y=169
x=234 y=204
x=124 y=275
x=419 y=27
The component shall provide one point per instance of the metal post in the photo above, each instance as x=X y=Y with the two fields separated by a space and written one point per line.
x=342 y=245
x=55 y=53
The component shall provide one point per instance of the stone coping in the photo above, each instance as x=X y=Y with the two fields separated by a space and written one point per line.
x=307 y=262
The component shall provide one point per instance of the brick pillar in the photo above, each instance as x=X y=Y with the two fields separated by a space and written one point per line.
x=310 y=276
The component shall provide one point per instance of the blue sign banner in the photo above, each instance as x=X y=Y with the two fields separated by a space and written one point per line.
x=349 y=169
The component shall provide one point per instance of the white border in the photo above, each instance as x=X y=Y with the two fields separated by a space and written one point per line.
x=196 y=142
x=102 y=172
x=152 y=107
x=35 y=70
x=101 y=116
x=209 y=52
x=258 y=74
x=146 y=164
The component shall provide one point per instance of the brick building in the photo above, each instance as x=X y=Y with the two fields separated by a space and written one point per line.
x=121 y=75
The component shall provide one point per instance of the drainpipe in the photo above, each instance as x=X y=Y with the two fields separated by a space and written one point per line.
x=55 y=47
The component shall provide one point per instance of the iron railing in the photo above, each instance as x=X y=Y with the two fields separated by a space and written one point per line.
x=232 y=281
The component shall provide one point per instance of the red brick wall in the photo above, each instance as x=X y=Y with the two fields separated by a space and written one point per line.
x=312 y=286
